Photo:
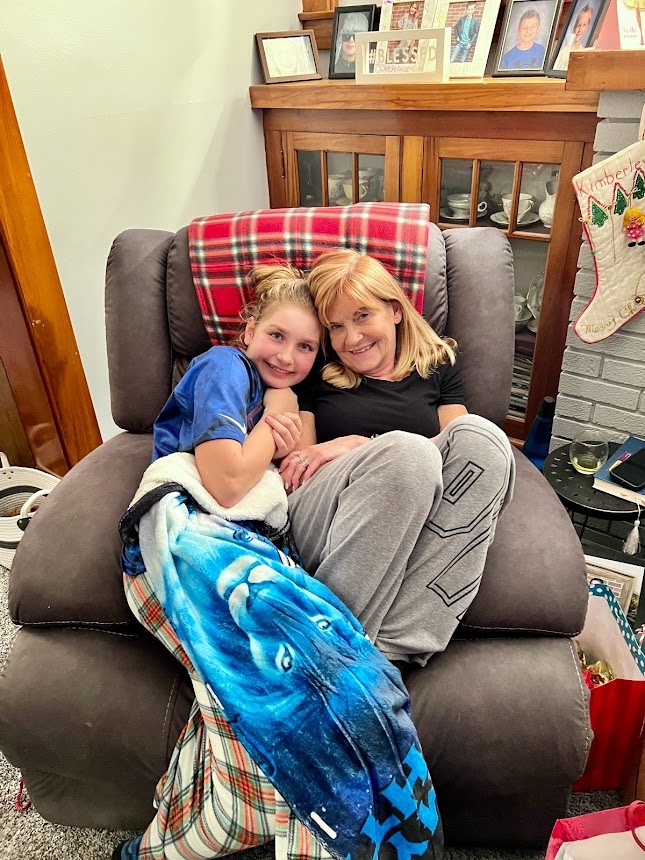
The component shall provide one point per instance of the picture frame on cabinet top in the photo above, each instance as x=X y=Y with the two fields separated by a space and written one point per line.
x=526 y=38
x=426 y=60
x=579 y=32
x=348 y=21
x=288 y=55
x=472 y=23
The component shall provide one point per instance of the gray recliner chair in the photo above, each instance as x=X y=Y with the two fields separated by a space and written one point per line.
x=91 y=705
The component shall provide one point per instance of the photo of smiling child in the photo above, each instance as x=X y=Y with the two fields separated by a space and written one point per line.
x=527 y=32
x=577 y=35
x=527 y=53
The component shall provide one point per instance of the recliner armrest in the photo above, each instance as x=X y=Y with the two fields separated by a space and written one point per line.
x=535 y=578
x=67 y=567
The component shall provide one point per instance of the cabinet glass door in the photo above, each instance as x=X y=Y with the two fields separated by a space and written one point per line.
x=336 y=170
x=511 y=186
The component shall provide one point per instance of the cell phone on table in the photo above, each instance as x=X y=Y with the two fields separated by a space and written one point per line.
x=631 y=472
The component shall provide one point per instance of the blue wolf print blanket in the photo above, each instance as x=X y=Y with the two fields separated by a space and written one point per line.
x=323 y=714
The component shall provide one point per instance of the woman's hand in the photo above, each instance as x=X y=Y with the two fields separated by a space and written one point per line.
x=299 y=466
x=286 y=428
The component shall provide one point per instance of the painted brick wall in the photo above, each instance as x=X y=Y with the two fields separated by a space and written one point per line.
x=603 y=385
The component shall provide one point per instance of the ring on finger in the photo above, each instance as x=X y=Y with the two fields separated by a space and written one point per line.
x=303 y=462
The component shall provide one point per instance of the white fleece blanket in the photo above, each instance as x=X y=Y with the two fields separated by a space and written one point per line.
x=266 y=501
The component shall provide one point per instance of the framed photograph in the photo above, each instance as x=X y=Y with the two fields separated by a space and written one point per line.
x=405 y=15
x=525 y=37
x=348 y=21
x=425 y=61
x=290 y=55
x=472 y=23
x=582 y=24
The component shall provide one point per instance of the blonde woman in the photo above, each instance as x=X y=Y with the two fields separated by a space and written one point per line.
x=395 y=505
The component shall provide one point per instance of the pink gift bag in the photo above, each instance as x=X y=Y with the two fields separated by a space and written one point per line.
x=611 y=834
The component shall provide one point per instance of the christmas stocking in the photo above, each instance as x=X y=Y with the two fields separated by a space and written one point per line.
x=611 y=195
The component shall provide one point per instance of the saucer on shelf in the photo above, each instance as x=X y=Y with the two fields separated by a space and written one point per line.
x=524 y=221
x=446 y=215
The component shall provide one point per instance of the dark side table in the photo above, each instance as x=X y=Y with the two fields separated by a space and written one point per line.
x=576 y=491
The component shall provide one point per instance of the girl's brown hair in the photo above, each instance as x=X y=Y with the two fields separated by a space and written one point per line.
x=274 y=285
x=348 y=274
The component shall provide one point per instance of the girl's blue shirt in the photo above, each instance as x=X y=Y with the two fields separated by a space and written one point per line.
x=219 y=397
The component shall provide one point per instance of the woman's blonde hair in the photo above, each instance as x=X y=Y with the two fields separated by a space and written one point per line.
x=273 y=285
x=348 y=274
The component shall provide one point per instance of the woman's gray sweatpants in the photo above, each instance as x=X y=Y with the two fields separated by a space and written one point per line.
x=399 y=529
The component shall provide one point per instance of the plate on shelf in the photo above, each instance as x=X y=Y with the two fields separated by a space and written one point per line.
x=446 y=215
x=524 y=221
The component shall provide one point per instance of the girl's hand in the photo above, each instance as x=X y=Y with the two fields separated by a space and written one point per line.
x=299 y=466
x=286 y=428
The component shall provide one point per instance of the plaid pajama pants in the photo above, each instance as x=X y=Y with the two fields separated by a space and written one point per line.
x=213 y=799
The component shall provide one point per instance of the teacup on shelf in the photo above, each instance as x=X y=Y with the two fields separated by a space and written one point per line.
x=524 y=204
x=460 y=205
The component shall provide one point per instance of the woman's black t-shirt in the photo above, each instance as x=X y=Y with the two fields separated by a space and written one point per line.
x=378 y=406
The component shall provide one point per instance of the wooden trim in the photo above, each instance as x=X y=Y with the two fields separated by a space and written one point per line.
x=515 y=428
x=324 y=177
x=291 y=170
x=605 y=70
x=361 y=143
x=24 y=378
x=503 y=150
x=316 y=15
x=23 y=233
x=392 y=177
x=474 y=193
x=274 y=154
x=411 y=169
x=440 y=124
x=430 y=191
x=321 y=23
x=13 y=440
x=560 y=271
x=487 y=94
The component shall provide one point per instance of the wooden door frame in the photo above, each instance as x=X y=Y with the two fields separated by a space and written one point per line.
x=26 y=243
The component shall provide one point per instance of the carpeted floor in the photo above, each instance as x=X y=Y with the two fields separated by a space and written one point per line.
x=27 y=836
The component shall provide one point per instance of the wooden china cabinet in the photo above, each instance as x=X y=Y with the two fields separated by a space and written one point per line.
x=503 y=141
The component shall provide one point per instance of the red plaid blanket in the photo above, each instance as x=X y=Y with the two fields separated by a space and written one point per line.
x=224 y=248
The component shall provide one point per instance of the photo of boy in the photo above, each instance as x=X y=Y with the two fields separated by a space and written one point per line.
x=464 y=34
x=527 y=52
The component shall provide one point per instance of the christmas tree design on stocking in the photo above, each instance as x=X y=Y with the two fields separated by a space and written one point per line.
x=611 y=195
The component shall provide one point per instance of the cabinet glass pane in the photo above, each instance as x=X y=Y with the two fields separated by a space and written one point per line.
x=495 y=185
x=456 y=180
x=529 y=260
x=371 y=177
x=339 y=178
x=537 y=198
x=310 y=178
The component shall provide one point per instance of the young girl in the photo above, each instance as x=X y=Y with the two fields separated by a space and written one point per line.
x=234 y=407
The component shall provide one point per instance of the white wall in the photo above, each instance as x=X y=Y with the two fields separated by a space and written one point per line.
x=134 y=113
